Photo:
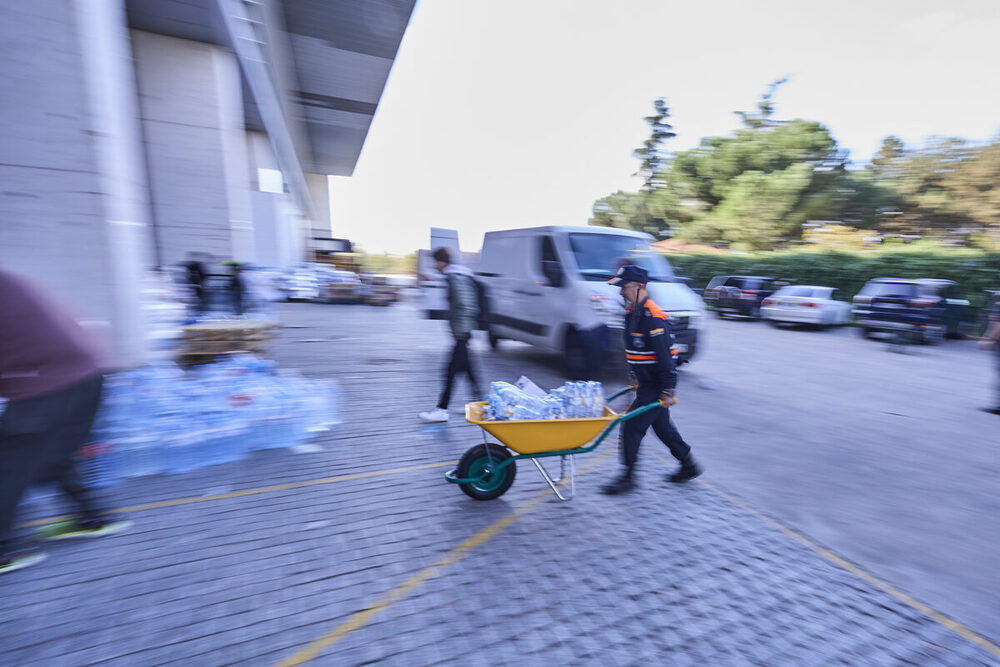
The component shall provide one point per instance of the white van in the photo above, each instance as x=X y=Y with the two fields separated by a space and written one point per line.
x=548 y=286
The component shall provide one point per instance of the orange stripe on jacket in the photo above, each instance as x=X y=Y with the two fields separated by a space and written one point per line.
x=641 y=357
x=655 y=310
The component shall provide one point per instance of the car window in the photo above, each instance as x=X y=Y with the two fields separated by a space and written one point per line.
x=716 y=281
x=928 y=290
x=794 y=291
x=889 y=289
x=550 y=266
x=734 y=281
x=757 y=284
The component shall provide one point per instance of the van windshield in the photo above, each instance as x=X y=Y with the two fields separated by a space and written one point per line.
x=598 y=256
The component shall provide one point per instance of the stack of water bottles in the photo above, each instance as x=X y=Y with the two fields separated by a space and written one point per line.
x=163 y=311
x=163 y=419
x=573 y=400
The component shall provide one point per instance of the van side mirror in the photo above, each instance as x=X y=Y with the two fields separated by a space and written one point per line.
x=553 y=272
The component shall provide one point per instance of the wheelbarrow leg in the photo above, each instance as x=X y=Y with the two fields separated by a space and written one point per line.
x=552 y=484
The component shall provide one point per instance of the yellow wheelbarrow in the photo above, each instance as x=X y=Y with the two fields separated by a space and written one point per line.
x=486 y=471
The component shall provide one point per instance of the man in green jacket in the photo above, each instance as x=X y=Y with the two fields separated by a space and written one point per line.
x=463 y=313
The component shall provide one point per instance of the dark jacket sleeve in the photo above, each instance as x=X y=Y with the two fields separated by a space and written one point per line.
x=661 y=340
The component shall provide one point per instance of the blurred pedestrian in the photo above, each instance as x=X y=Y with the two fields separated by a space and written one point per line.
x=50 y=376
x=463 y=315
x=197 y=275
x=991 y=341
x=648 y=341
x=237 y=289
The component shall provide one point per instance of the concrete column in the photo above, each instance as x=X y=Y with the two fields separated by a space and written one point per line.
x=72 y=213
x=192 y=117
x=319 y=191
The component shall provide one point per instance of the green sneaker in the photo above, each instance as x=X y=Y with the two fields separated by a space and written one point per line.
x=66 y=530
x=17 y=561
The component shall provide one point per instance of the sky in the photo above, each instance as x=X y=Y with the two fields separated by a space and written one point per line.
x=509 y=114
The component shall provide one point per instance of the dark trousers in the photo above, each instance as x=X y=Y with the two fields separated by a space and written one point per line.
x=201 y=304
x=459 y=363
x=39 y=438
x=633 y=430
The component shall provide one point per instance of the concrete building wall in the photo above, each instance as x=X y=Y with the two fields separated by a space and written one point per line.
x=191 y=109
x=277 y=217
x=69 y=219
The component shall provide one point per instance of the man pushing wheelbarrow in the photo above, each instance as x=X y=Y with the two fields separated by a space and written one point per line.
x=487 y=470
x=654 y=377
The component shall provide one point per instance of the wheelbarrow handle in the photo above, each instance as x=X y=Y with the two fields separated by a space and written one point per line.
x=623 y=418
x=639 y=411
x=620 y=392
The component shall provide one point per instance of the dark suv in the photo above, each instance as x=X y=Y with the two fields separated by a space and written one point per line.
x=929 y=310
x=738 y=295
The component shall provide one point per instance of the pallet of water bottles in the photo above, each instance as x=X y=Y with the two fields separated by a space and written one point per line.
x=164 y=420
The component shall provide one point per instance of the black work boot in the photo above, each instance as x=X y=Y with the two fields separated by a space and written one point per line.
x=688 y=470
x=622 y=484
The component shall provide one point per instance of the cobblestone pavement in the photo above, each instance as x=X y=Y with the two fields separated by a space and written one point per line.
x=362 y=553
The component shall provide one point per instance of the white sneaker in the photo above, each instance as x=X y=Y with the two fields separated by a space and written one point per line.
x=435 y=415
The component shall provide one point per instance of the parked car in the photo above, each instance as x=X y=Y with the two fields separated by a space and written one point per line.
x=548 y=286
x=738 y=295
x=805 y=304
x=928 y=309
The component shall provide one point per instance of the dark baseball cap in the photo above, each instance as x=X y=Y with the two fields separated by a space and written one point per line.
x=630 y=273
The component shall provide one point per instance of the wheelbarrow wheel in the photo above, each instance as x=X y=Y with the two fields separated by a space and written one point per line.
x=478 y=460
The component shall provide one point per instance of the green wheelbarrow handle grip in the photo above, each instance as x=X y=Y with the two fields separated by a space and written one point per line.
x=618 y=393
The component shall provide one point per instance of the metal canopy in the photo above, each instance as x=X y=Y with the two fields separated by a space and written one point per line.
x=340 y=53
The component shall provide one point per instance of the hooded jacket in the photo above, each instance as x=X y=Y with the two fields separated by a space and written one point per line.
x=463 y=300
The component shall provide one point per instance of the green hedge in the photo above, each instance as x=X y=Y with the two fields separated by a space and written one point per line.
x=973 y=270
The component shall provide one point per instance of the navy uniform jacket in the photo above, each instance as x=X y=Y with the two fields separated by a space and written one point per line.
x=647 y=347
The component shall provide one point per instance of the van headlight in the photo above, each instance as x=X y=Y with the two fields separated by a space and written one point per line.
x=696 y=321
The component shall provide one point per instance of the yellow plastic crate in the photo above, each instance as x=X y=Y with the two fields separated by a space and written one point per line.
x=533 y=436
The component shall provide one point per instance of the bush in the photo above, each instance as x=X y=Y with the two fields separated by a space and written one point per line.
x=973 y=270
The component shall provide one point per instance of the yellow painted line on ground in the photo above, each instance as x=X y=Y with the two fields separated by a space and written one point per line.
x=361 y=618
x=253 y=492
x=947 y=622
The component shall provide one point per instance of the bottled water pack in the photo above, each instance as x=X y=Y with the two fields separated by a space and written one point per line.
x=573 y=400
x=161 y=419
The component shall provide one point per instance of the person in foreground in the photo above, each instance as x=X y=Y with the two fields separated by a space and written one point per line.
x=50 y=375
x=654 y=378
